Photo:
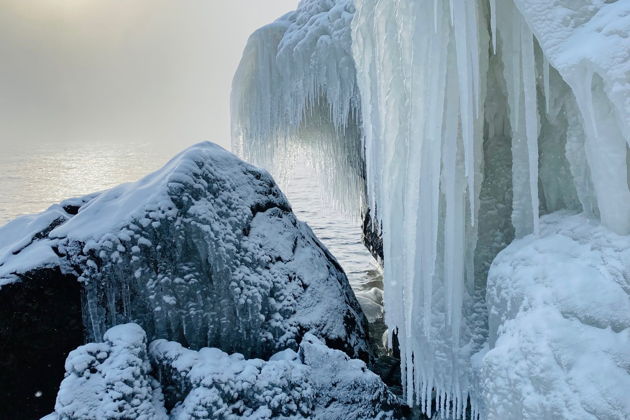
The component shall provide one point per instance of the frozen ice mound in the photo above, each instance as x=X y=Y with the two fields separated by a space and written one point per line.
x=206 y=251
x=559 y=308
x=114 y=379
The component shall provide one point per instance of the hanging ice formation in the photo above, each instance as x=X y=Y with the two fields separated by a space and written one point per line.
x=295 y=95
x=475 y=117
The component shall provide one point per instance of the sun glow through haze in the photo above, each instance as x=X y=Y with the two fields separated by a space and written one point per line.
x=156 y=71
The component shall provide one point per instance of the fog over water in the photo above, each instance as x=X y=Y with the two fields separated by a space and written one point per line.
x=156 y=71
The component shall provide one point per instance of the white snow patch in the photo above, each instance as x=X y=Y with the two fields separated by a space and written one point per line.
x=559 y=309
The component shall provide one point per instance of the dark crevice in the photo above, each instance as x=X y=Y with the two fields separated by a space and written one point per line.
x=40 y=323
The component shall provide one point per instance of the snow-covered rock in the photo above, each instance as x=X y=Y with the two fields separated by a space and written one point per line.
x=559 y=309
x=316 y=383
x=205 y=251
x=113 y=380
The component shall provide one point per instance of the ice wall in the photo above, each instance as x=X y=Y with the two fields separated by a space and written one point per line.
x=476 y=118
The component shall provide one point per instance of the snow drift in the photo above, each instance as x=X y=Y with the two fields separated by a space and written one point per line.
x=475 y=118
x=106 y=379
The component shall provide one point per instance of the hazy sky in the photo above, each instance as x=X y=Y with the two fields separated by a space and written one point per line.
x=122 y=70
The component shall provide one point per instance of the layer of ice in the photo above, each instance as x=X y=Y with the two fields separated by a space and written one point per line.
x=294 y=95
x=205 y=251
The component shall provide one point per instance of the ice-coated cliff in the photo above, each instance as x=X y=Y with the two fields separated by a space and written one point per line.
x=295 y=94
x=475 y=118
x=114 y=379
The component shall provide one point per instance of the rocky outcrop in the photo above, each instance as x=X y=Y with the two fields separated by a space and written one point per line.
x=205 y=252
x=316 y=382
x=373 y=236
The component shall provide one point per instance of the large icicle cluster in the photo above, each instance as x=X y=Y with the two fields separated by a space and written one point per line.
x=294 y=95
x=456 y=96
x=476 y=118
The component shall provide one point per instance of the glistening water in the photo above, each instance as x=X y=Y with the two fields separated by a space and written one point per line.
x=34 y=177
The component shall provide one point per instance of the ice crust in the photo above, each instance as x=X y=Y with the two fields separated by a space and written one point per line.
x=476 y=118
x=205 y=251
x=113 y=379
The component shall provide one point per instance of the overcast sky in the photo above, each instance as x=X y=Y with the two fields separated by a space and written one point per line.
x=122 y=70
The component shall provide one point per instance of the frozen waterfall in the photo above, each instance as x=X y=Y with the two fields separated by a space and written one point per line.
x=462 y=122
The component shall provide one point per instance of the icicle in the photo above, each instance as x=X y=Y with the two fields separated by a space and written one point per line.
x=493 y=24
x=465 y=72
x=546 y=87
x=531 y=117
x=435 y=16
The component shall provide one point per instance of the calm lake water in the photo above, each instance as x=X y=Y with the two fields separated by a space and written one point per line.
x=34 y=177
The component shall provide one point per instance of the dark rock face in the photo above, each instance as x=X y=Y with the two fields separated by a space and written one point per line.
x=373 y=236
x=40 y=323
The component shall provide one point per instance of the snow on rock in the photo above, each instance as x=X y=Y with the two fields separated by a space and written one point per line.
x=113 y=380
x=205 y=251
x=559 y=309
x=316 y=383
x=110 y=380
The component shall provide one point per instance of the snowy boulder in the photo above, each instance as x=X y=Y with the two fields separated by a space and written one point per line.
x=205 y=251
x=315 y=383
x=559 y=314
x=110 y=380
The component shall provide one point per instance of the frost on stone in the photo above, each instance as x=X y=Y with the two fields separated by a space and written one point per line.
x=315 y=383
x=559 y=309
x=111 y=380
x=205 y=251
